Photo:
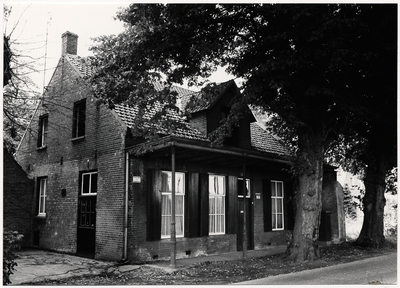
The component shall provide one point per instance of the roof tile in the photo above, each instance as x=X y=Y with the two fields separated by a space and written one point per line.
x=261 y=140
x=128 y=115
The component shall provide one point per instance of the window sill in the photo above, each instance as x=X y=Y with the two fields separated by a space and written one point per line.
x=43 y=148
x=40 y=217
x=78 y=139
x=87 y=194
x=277 y=230
x=216 y=234
x=169 y=238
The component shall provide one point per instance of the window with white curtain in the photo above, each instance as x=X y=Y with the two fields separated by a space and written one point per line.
x=166 y=203
x=277 y=205
x=216 y=188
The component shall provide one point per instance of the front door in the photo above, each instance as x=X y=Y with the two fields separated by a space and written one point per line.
x=86 y=234
x=240 y=216
x=86 y=226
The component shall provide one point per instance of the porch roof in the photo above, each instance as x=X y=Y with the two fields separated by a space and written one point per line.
x=193 y=151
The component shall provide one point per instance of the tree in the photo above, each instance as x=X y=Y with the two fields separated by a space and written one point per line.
x=300 y=63
x=18 y=89
x=369 y=146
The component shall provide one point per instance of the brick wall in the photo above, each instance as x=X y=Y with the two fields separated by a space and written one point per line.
x=332 y=202
x=63 y=159
x=17 y=198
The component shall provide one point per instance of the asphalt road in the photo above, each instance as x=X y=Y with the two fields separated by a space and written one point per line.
x=376 y=270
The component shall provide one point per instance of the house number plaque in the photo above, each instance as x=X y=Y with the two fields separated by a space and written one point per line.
x=136 y=179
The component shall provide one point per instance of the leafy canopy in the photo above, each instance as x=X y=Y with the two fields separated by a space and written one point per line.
x=316 y=69
x=307 y=63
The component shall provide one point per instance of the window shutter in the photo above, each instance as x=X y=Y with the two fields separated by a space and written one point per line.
x=82 y=118
x=39 y=140
x=204 y=203
x=289 y=205
x=154 y=205
x=193 y=211
x=37 y=195
x=267 y=205
x=74 y=121
x=232 y=205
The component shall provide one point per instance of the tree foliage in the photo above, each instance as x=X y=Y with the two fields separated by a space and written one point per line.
x=391 y=182
x=369 y=146
x=350 y=206
x=308 y=66
x=11 y=244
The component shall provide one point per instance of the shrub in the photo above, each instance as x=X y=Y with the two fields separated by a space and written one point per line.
x=350 y=205
x=11 y=243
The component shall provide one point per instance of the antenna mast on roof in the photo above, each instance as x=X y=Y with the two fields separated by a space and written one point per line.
x=45 y=53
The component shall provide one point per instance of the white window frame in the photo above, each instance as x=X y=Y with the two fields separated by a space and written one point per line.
x=274 y=199
x=90 y=193
x=213 y=198
x=178 y=193
x=42 y=195
x=248 y=194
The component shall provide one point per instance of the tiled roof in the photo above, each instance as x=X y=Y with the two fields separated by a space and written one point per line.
x=185 y=130
x=203 y=102
x=82 y=64
x=263 y=141
x=181 y=92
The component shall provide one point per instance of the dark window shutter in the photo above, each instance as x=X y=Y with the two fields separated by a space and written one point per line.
x=193 y=211
x=37 y=195
x=39 y=140
x=82 y=118
x=154 y=205
x=79 y=118
x=231 y=210
x=289 y=205
x=74 y=121
x=267 y=205
x=204 y=203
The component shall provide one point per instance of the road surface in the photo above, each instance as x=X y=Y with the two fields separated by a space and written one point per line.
x=380 y=270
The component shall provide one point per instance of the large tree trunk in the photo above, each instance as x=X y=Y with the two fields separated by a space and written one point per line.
x=374 y=203
x=308 y=199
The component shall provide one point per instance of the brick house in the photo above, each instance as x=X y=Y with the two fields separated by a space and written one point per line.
x=96 y=197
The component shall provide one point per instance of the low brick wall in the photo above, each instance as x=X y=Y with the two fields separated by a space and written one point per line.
x=17 y=199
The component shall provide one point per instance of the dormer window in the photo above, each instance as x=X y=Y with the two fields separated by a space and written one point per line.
x=224 y=115
x=78 y=126
x=42 y=133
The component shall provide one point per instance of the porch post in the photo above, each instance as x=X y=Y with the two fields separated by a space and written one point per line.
x=173 y=231
x=244 y=210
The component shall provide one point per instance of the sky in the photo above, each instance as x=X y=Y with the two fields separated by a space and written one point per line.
x=29 y=23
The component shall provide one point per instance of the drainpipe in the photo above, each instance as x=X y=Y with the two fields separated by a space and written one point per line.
x=125 y=252
x=244 y=210
x=173 y=220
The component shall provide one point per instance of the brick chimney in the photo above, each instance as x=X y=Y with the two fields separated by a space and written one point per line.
x=69 y=43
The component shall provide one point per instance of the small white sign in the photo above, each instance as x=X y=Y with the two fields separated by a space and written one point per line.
x=136 y=179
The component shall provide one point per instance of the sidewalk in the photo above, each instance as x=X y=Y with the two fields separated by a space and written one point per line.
x=38 y=265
